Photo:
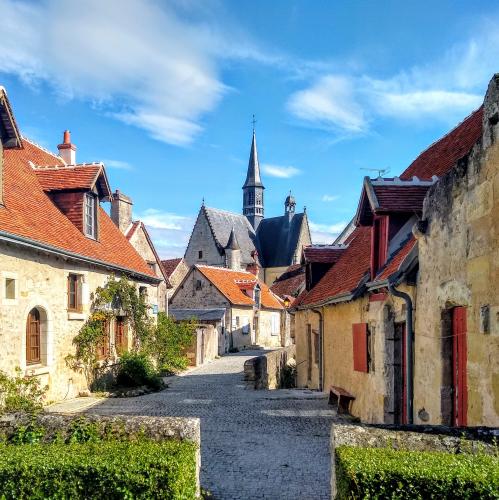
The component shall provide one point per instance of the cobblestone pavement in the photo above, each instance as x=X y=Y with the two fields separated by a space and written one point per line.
x=254 y=444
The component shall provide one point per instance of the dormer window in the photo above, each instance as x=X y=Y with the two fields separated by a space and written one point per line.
x=257 y=296
x=90 y=215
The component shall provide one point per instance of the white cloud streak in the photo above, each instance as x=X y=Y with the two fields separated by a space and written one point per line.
x=117 y=164
x=329 y=198
x=169 y=231
x=326 y=233
x=280 y=171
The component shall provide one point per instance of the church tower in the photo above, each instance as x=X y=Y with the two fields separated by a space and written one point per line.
x=253 y=189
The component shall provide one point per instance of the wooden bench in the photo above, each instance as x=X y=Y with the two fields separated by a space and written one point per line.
x=341 y=397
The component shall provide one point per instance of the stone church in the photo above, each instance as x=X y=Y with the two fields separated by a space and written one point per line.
x=249 y=241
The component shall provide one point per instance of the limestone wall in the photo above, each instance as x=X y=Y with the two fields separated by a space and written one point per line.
x=459 y=266
x=202 y=239
x=41 y=282
x=265 y=371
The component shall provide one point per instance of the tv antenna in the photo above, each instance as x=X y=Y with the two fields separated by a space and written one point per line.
x=381 y=171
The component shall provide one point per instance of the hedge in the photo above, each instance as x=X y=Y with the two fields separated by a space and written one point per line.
x=105 y=469
x=387 y=473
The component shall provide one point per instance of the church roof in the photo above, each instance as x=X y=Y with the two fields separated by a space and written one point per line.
x=253 y=176
x=278 y=239
x=223 y=222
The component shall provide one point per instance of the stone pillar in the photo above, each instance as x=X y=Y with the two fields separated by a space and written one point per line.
x=121 y=210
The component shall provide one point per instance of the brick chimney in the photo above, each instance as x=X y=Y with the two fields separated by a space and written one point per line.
x=67 y=151
x=121 y=210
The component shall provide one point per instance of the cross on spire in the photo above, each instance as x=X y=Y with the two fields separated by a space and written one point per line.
x=253 y=121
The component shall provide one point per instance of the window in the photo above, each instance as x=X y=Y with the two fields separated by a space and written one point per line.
x=237 y=321
x=90 y=222
x=152 y=266
x=199 y=285
x=200 y=254
x=360 y=356
x=10 y=288
x=120 y=335
x=143 y=293
x=257 y=294
x=74 y=292
x=33 y=337
x=275 y=326
x=103 y=346
x=251 y=198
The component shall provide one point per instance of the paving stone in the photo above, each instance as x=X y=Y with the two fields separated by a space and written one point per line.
x=254 y=444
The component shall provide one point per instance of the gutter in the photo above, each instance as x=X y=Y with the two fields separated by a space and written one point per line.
x=408 y=349
x=36 y=245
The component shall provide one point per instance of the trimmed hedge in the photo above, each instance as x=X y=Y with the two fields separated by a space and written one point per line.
x=387 y=473
x=105 y=469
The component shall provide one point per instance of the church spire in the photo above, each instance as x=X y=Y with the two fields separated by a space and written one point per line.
x=253 y=187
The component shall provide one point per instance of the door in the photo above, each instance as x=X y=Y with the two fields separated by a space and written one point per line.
x=399 y=375
x=459 y=361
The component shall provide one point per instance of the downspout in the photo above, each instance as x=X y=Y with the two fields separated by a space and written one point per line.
x=321 y=335
x=408 y=349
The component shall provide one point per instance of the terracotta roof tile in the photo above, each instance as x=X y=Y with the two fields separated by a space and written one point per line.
x=393 y=265
x=290 y=282
x=57 y=179
x=170 y=265
x=30 y=213
x=400 y=198
x=226 y=282
x=442 y=155
x=346 y=275
x=322 y=255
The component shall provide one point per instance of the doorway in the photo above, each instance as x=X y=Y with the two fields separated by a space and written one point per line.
x=399 y=374
x=459 y=368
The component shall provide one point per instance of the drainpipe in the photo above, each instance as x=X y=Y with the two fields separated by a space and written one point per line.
x=321 y=335
x=408 y=349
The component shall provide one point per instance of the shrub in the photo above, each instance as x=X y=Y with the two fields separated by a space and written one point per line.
x=106 y=469
x=20 y=393
x=388 y=473
x=136 y=369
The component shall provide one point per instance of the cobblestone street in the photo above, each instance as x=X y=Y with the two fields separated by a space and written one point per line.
x=255 y=444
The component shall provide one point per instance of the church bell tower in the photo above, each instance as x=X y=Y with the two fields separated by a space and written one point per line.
x=253 y=189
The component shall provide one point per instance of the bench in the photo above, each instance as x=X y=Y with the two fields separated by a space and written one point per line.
x=341 y=397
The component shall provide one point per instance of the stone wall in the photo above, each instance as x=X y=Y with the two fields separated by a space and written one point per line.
x=205 y=345
x=459 y=266
x=265 y=371
x=41 y=282
x=119 y=427
x=413 y=438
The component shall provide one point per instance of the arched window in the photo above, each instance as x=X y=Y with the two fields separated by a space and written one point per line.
x=33 y=337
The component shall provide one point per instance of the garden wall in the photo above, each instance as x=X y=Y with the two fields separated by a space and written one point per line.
x=265 y=371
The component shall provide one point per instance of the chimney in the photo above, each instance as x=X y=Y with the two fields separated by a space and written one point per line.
x=121 y=210
x=67 y=151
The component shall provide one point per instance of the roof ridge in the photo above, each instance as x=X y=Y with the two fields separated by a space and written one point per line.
x=33 y=143
x=221 y=268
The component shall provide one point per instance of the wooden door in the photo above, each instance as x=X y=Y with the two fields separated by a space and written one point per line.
x=33 y=337
x=459 y=361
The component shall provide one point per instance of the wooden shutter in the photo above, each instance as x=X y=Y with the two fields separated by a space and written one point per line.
x=359 y=333
x=33 y=340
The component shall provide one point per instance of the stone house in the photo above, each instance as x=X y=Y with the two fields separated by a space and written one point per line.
x=272 y=244
x=136 y=233
x=57 y=245
x=175 y=271
x=252 y=314
x=420 y=264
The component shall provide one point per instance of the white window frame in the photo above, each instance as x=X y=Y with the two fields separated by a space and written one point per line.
x=90 y=201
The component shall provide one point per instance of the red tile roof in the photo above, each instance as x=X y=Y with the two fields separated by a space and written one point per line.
x=289 y=283
x=170 y=265
x=394 y=264
x=29 y=213
x=442 y=155
x=225 y=280
x=63 y=178
x=393 y=198
x=322 y=255
x=347 y=274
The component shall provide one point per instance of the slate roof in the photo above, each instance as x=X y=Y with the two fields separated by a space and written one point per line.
x=30 y=214
x=170 y=265
x=228 y=283
x=278 y=240
x=253 y=178
x=290 y=283
x=222 y=223
x=197 y=314
x=443 y=154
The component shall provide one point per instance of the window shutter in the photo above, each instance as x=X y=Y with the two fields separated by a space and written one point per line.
x=359 y=332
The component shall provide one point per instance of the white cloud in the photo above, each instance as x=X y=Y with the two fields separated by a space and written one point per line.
x=280 y=171
x=117 y=164
x=136 y=60
x=329 y=198
x=169 y=231
x=326 y=233
x=445 y=89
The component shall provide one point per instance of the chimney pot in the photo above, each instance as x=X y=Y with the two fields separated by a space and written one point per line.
x=67 y=151
x=67 y=137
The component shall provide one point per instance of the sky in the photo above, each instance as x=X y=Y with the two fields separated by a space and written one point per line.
x=164 y=94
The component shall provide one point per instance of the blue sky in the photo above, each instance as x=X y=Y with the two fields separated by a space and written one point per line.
x=164 y=92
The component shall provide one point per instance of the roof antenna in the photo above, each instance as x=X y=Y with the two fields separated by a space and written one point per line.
x=381 y=171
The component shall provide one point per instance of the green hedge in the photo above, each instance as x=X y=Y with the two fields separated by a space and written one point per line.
x=105 y=469
x=387 y=473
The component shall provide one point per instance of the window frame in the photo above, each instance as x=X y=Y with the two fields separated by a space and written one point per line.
x=30 y=336
x=120 y=335
x=13 y=281
x=77 y=293
x=90 y=201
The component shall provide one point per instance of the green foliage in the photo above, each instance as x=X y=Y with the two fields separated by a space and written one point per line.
x=20 y=393
x=28 y=434
x=170 y=341
x=387 y=473
x=288 y=377
x=107 y=469
x=135 y=370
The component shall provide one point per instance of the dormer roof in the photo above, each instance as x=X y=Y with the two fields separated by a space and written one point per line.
x=9 y=133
